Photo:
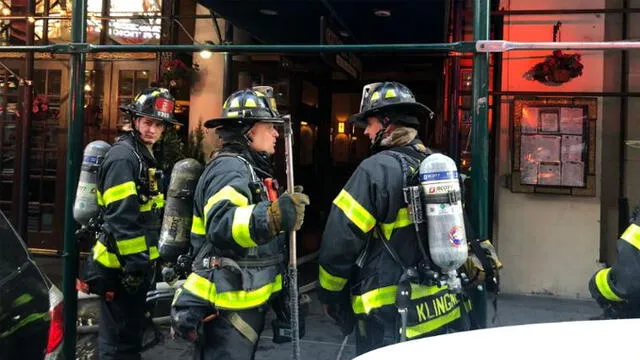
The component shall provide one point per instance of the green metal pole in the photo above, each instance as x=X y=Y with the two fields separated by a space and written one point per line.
x=75 y=140
x=480 y=147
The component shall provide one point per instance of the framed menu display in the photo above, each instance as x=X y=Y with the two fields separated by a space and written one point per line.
x=554 y=144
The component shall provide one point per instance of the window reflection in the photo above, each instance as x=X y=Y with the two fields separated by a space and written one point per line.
x=125 y=29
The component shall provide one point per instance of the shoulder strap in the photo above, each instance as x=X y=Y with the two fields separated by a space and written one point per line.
x=402 y=154
x=252 y=171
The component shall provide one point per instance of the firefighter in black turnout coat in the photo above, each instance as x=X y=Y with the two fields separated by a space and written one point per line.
x=358 y=275
x=237 y=237
x=120 y=268
x=617 y=288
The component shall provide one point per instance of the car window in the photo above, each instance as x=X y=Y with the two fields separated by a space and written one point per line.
x=13 y=252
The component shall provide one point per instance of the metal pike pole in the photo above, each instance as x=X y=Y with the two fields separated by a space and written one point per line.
x=293 y=256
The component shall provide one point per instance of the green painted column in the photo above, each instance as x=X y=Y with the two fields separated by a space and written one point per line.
x=74 y=157
x=480 y=146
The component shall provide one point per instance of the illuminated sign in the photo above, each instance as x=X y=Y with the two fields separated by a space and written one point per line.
x=128 y=30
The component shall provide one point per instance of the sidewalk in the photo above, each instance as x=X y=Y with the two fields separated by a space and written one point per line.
x=322 y=340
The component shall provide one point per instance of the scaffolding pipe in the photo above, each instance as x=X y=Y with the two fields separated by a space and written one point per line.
x=480 y=148
x=504 y=46
x=81 y=47
x=75 y=141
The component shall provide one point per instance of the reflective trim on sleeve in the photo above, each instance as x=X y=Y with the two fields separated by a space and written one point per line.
x=102 y=255
x=132 y=246
x=602 y=283
x=355 y=212
x=240 y=227
x=402 y=220
x=330 y=282
x=226 y=193
x=156 y=202
x=232 y=300
x=153 y=253
x=632 y=235
x=197 y=226
x=119 y=192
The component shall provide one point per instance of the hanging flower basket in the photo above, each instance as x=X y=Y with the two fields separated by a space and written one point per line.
x=556 y=69
x=177 y=73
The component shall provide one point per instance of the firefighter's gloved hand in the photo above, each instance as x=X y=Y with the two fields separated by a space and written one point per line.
x=474 y=268
x=287 y=213
x=132 y=282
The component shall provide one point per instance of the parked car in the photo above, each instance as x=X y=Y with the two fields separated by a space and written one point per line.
x=31 y=325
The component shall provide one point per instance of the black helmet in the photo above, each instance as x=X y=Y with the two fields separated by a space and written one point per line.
x=246 y=107
x=154 y=102
x=390 y=97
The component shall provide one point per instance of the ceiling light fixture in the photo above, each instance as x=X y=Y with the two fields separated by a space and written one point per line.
x=382 y=12
x=269 y=12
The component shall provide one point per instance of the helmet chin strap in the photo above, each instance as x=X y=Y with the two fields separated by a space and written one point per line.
x=380 y=134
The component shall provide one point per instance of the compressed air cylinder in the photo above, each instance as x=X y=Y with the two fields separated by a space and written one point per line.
x=86 y=204
x=445 y=220
x=178 y=210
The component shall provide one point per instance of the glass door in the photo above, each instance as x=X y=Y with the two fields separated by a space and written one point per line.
x=47 y=155
x=127 y=79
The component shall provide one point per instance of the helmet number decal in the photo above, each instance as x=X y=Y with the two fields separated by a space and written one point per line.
x=163 y=107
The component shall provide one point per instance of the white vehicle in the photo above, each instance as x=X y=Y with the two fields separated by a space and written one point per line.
x=584 y=340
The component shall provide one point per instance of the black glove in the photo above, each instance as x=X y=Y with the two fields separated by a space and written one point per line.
x=133 y=282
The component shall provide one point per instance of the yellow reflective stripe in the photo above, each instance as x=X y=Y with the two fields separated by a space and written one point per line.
x=197 y=226
x=377 y=298
x=425 y=327
x=157 y=200
x=200 y=287
x=602 y=283
x=132 y=246
x=331 y=282
x=119 y=192
x=153 y=253
x=226 y=193
x=632 y=235
x=240 y=226
x=241 y=299
x=99 y=199
x=355 y=212
x=104 y=257
x=247 y=299
x=402 y=220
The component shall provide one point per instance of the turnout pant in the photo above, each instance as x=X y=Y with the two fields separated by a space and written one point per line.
x=233 y=335
x=122 y=325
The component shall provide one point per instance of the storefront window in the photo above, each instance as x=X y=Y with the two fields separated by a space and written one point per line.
x=125 y=28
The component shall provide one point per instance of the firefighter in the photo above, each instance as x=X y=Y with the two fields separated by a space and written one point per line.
x=617 y=288
x=369 y=237
x=121 y=266
x=238 y=240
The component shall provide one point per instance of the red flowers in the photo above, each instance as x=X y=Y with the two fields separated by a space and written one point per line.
x=556 y=69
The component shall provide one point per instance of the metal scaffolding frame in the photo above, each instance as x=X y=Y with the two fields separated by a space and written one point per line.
x=481 y=47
